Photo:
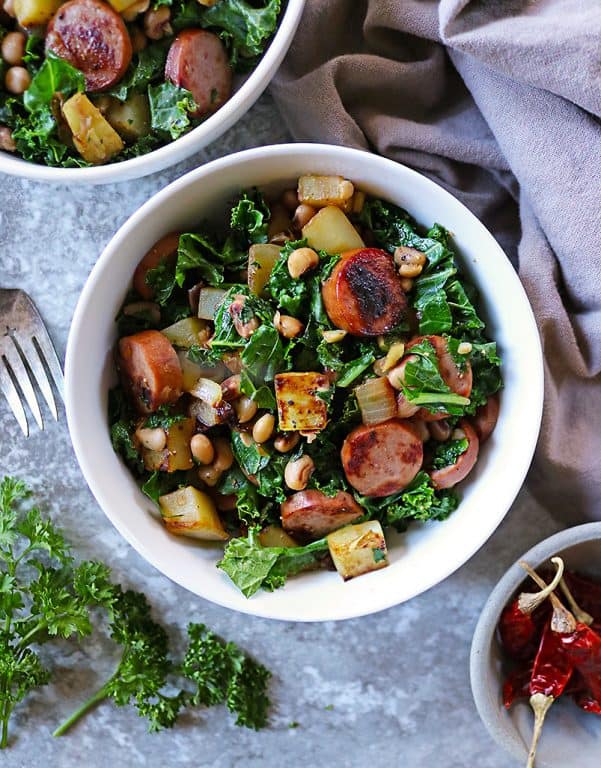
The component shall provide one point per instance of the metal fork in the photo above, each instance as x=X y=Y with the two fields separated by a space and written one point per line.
x=26 y=353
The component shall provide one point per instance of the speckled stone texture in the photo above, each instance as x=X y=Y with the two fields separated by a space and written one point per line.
x=386 y=690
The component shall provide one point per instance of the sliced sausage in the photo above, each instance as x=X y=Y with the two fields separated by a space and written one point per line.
x=382 y=459
x=459 y=382
x=363 y=295
x=312 y=514
x=149 y=369
x=163 y=250
x=92 y=37
x=485 y=419
x=449 y=476
x=198 y=61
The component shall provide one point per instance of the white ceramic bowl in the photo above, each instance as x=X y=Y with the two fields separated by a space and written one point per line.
x=570 y=736
x=247 y=90
x=427 y=553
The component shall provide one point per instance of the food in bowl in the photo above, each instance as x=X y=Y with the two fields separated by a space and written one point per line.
x=552 y=642
x=303 y=379
x=88 y=82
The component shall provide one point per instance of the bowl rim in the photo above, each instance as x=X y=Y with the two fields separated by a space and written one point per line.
x=180 y=149
x=384 y=598
x=487 y=705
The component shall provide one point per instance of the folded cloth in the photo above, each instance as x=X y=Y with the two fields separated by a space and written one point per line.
x=499 y=103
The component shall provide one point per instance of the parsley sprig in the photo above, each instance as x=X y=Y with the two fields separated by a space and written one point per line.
x=44 y=595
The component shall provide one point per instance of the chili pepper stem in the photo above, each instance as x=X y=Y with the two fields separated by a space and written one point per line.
x=582 y=616
x=540 y=706
x=529 y=601
x=562 y=621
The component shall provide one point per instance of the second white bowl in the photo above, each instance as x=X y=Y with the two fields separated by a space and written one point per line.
x=427 y=553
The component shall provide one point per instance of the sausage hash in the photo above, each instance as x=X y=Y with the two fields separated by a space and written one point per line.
x=295 y=400
x=86 y=82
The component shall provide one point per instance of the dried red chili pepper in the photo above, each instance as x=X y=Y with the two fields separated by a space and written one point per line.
x=517 y=685
x=553 y=667
x=520 y=623
x=583 y=647
x=550 y=675
x=586 y=701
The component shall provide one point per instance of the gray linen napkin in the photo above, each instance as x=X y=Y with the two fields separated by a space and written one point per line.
x=499 y=103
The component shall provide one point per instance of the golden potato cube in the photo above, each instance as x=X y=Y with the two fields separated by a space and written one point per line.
x=176 y=454
x=130 y=118
x=190 y=512
x=330 y=230
x=94 y=138
x=274 y=536
x=209 y=301
x=261 y=260
x=300 y=401
x=320 y=191
x=31 y=13
x=122 y=5
x=358 y=549
x=185 y=333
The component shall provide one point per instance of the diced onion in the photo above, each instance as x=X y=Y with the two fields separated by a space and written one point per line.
x=208 y=391
x=377 y=401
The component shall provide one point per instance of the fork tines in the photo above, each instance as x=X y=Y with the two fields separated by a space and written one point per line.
x=26 y=356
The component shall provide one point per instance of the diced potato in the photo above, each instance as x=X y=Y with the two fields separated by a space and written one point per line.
x=192 y=371
x=299 y=403
x=261 y=260
x=185 y=333
x=130 y=118
x=94 y=138
x=208 y=301
x=176 y=454
x=320 y=191
x=122 y=5
x=274 y=536
x=357 y=201
x=31 y=13
x=358 y=549
x=279 y=221
x=331 y=231
x=190 y=512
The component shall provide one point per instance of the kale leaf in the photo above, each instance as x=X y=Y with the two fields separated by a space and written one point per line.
x=170 y=108
x=447 y=453
x=252 y=567
x=419 y=501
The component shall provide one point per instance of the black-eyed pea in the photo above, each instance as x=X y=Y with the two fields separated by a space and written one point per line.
x=202 y=449
x=263 y=428
x=298 y=472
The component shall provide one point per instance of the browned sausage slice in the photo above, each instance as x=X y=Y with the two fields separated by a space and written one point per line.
x=149 y=369
x=485 y=419
x=312 y=514
x=459 y=382
x=163 y=250
x=363 y=295
x=92 y=37
x=198 y=62
x=382 y=459
x=449 y=476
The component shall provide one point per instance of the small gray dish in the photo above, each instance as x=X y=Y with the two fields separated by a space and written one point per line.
x=570 y=737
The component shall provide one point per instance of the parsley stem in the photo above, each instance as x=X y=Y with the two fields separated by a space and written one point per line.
x=81 y=711
x=6 y=708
